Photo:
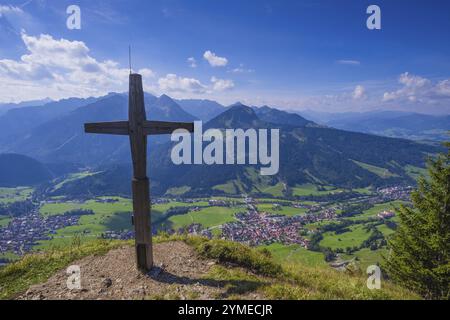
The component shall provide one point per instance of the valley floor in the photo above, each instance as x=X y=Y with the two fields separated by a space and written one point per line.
x=287 y=228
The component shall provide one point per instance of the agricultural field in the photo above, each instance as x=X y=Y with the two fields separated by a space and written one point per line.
x=372 y=212
x=207 y=217
x=276 y=190
x=229 y=188
x=314 y=190
x=367 y=190
x=355 y=237
x=178 y=191
x=292 y=254
x=121 y=205
x=108 y=216
x=10 y=195
x=116 y=216
x=174 y=204
x=4 y=221
x=381 y=172
x=284 y=210
x=73 y=177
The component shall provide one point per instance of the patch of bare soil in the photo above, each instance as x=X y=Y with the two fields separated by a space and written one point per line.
x=179 y=274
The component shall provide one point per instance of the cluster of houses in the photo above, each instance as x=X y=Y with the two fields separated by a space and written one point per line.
x=118 y=235
x=256 y=228
x=385 y=215
x=395 y=193
x=196 y=229
x=23 y=232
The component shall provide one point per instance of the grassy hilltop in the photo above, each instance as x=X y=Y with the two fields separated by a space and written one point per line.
x=240 y=271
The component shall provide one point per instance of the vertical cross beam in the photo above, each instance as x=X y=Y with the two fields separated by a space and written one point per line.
x=140 y=183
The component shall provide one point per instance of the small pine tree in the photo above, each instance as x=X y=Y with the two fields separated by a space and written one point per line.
x=419 y=251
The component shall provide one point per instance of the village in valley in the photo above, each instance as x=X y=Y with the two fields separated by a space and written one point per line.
x=334 y=226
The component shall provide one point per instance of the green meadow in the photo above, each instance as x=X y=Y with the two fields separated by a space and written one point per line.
x=207 y=217
x=294 y=254
x=276 y=190
x=381 y=172
x=10 y=195
x=163 y=207
x=284 y=210
x=178 y=191
x=367 y=257
x=416 y=172
x=73 y=177
x=229 y=188
x=108 y=216
x=372 y=212
x=121 y=205
x=4 y=221
x=313 y=190
x=355 y=237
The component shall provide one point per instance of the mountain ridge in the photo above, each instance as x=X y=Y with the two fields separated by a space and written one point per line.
x=308 y=154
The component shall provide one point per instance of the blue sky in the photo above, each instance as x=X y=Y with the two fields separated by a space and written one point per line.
x=315 y=55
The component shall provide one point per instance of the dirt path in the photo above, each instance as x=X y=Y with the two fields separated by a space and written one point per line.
x=114 y=276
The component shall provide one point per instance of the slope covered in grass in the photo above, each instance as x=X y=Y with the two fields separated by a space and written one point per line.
x=244 y=272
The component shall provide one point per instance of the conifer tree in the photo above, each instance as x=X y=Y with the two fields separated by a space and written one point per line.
x=418 y=255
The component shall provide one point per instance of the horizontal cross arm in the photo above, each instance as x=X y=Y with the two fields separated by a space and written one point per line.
x=162 y=127
x=117 y=127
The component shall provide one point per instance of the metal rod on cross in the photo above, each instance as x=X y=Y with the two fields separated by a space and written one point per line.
x=138 y=128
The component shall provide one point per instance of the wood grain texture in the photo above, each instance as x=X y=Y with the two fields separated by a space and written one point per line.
x=116 y=127
x=137 y=127
x=162 y=127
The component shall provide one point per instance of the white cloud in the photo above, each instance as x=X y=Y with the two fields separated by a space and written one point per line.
x=349 y=62
x=241 y=69
x=174 y=83
x=413 y=81
x=59 y=69
x=359 y=93
x=146 y=73
x=7 y=9
x=214 y=60
x=418 y=89
x=221 y=84
x=443 y=88
x=192 y=62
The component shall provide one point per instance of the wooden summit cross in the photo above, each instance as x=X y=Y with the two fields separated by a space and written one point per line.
x=137 y=127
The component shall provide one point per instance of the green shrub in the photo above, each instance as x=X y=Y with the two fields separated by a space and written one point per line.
x=238 y=254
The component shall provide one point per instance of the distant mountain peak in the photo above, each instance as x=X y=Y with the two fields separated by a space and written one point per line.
x=236 y=116
x=277 y=116
x=165 y=97
x=166 y=108
x=203 y=109
x=237 y=104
